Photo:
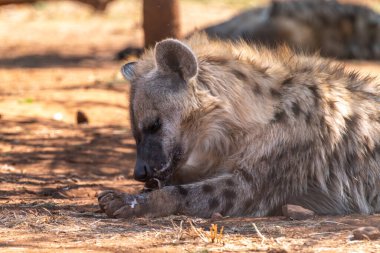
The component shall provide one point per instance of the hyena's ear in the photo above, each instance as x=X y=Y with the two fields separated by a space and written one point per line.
x=128 y=71
x=174 y=56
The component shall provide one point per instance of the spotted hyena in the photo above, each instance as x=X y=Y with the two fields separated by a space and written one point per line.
x=239 y=130
x=336 y=30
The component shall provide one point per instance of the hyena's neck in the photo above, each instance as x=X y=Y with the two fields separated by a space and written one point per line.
x=242 y=91
x=234 y=100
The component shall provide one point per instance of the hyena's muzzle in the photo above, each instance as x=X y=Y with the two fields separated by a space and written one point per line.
x=150 y=160
x=154 y=167
x=153 y=163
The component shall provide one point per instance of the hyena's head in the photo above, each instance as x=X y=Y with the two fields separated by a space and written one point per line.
x=158 y=103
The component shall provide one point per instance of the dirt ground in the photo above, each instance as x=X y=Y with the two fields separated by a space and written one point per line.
x=57 y=59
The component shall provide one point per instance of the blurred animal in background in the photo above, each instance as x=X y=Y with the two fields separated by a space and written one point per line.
x=343 y=31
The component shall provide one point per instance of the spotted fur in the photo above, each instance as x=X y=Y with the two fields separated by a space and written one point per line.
x=247 y=129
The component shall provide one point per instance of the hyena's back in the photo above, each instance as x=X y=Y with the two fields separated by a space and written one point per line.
x=323 y=140
x=249 y=130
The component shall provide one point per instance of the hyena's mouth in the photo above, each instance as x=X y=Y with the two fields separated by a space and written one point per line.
x=152 y=184
x=163 y=176
x=159 y=180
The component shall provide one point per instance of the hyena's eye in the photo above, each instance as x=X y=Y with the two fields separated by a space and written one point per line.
x=153 y=127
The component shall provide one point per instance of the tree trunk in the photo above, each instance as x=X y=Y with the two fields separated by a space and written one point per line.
x=161 y=20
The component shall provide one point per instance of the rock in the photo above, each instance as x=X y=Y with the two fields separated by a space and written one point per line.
x=216 y=216
x=58 y=116
x=295 y=212
x=81 y=118
x=366 y=233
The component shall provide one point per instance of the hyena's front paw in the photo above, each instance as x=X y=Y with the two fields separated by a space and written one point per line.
x=121 y=205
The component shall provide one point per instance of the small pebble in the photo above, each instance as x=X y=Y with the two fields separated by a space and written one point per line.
x=295 y=212
x=366 y=233
x=58 y=116
x=277 y=250
x=216 y=216
x=81 y=118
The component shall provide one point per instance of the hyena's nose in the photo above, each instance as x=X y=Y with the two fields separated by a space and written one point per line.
x=143 y=171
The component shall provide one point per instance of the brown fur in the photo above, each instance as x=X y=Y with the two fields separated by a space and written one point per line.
x=250 y=130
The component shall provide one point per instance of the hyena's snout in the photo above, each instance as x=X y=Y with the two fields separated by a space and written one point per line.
x=151 y=160
x=143 y=171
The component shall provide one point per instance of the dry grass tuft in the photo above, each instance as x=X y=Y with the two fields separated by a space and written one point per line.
x=214 y=236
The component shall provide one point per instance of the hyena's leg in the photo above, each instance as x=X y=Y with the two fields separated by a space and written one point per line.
x=230 y=195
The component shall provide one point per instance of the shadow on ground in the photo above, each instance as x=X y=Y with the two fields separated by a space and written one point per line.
x=50 y=60
x=46 y=158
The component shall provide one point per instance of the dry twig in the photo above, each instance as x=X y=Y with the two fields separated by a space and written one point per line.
x=263 y=238
x=199 y=233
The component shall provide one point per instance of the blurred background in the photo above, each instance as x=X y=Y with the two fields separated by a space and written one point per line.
x=56 y=55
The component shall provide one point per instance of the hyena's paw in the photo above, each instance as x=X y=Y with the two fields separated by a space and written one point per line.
x=121 y=205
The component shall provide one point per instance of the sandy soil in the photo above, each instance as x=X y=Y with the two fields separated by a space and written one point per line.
x=56 y=59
